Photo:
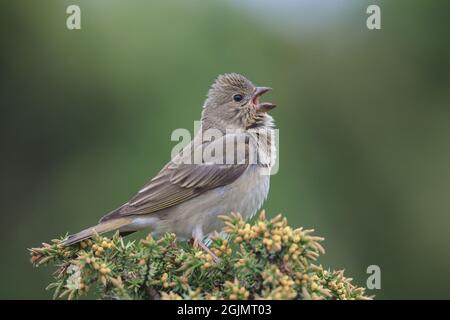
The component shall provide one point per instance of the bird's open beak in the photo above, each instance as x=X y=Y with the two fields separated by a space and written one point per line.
x=263 y=106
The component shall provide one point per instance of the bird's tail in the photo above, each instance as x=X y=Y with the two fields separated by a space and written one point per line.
x=102 y=227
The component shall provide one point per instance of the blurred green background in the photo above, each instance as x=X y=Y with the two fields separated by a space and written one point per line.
x=86 y=118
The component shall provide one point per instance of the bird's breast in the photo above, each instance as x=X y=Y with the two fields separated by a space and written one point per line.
x=247 y=194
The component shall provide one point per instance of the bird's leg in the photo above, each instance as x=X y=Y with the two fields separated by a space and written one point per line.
x=199 y=243
x=198 y=236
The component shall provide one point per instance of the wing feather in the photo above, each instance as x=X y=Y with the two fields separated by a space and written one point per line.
x=178 y=182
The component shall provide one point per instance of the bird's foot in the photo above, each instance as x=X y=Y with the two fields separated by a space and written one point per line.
x=199 y=243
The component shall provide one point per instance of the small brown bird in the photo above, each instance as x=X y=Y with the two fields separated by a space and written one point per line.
x=187 y=195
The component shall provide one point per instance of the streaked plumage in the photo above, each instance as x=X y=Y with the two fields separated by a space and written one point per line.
x=186 y=198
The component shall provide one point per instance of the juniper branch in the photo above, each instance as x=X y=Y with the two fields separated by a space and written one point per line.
x=264 y=260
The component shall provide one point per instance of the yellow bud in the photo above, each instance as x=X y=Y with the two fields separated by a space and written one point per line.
x=293 y=248
x=262 y=215
x=276 y=232
x=104 y=270
x=277 y=247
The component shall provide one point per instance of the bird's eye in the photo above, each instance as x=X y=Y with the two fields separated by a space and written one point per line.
x=238 y=97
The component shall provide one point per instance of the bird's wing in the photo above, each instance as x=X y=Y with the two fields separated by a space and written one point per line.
x=179 y=181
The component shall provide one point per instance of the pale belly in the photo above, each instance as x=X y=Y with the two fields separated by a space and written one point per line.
x=198 y=216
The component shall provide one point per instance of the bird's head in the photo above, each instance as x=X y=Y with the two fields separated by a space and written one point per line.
x=233 y=103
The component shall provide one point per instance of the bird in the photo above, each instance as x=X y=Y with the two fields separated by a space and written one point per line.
x=189 y=193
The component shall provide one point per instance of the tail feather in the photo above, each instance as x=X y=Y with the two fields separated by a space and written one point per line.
x=102 y=227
